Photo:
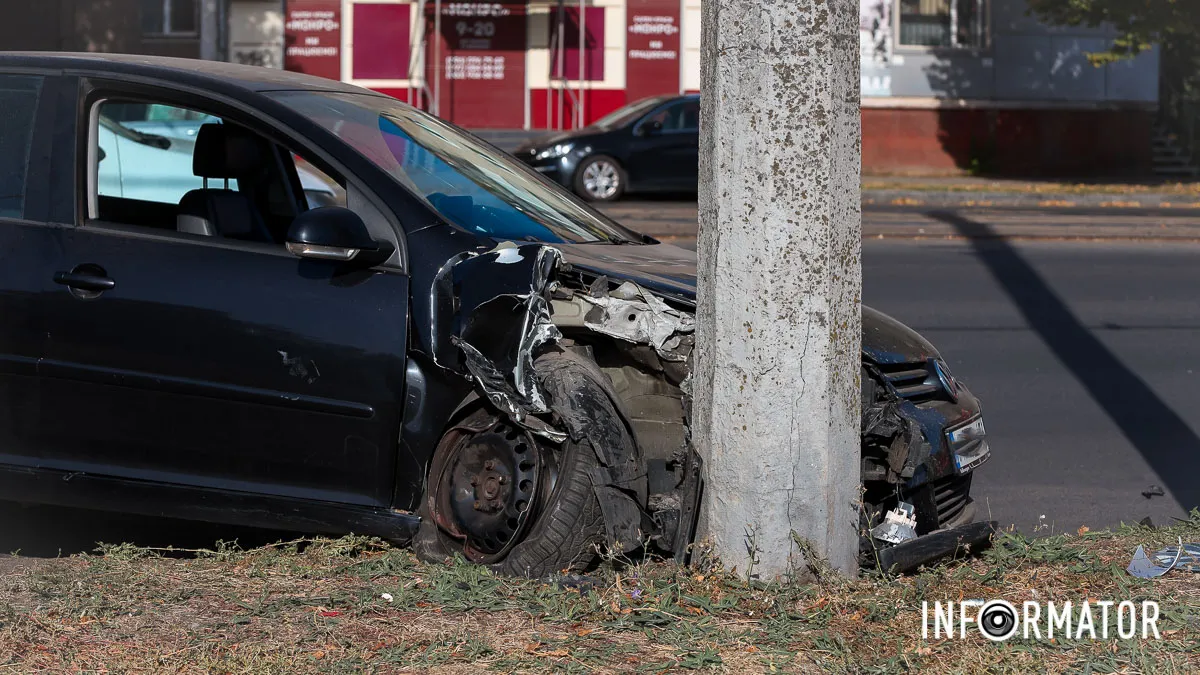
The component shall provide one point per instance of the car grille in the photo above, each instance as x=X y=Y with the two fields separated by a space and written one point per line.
x=951 y=498
x=916 y=381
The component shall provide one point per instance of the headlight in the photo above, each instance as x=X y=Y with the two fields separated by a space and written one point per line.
x=969 y=444
x=555 y=151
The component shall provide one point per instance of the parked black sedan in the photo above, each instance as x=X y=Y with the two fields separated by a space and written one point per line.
x=454 y=355
x=651 y=145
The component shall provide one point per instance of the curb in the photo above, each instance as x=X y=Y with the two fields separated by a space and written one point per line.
x=965 y=199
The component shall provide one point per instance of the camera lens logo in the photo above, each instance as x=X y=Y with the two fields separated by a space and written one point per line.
x=998 y=620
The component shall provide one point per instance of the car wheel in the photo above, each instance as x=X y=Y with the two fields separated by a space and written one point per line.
x=600 y=179
x=505 y=498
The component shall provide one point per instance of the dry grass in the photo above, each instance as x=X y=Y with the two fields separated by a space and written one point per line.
x=319 y=606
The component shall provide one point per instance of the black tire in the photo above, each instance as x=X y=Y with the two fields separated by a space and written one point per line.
x=569 y=527
x=607 y=166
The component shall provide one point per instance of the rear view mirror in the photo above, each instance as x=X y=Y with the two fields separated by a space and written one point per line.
x=335 y=233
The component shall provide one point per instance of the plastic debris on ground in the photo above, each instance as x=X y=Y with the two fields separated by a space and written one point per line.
x=1144 y=568
x=899 y=525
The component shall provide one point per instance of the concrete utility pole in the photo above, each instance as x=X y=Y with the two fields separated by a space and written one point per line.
x=210 y=30
x=776 y=378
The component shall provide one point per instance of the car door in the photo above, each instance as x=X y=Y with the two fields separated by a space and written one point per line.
x=28 y=252
x=219 y=363
x=665 y=150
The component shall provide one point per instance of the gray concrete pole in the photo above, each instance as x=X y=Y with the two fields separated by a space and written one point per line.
x=210 y=30
x=776 y=377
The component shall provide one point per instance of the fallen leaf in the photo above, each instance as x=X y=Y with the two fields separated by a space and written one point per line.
x=585 y=631
x=318 y=654
x=331 y=613
x=556 y=652
x=924 y=651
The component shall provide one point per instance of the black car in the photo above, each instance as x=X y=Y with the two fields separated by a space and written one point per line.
x=651 y=145
x=442 y=357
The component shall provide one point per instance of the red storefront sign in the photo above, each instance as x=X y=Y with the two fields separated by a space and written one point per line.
x=478 y=63
x=381 y=41
x=652 y=47
x=313 y=38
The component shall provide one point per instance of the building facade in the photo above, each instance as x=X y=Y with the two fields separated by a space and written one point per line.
x=947 y=85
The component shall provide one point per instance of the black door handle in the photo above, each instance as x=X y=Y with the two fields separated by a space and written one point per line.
x=84 y=281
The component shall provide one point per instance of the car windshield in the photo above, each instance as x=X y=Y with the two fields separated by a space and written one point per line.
x=622 y=116
x=464 y=180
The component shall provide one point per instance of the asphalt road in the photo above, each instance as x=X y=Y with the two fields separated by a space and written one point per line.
x=1081 y=335
x=1083 y=344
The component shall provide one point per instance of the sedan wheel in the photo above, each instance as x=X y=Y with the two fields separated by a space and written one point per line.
x=600 y=179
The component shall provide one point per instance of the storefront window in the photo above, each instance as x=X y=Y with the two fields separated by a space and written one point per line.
x=169 y=17
x=943 y=23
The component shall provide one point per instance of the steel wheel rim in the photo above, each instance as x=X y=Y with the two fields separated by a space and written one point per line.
x=492 y=483
x=601 y=179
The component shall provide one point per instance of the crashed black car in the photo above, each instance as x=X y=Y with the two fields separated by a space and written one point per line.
x=457 y=354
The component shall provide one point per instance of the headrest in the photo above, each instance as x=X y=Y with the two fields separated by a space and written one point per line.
x=226 y=151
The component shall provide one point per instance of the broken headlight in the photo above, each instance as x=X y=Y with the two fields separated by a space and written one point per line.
x=969 y=444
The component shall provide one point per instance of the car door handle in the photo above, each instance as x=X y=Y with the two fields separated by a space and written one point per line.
x=84 y=281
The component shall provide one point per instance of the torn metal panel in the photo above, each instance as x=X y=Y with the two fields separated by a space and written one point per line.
x=635 y=315
x=503 y=318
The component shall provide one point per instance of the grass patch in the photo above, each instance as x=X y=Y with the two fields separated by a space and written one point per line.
x=357 y=605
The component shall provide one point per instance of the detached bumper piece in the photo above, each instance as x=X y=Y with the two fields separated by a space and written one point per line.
x=934 y=546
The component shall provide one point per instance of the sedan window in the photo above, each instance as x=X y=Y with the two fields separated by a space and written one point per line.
x=679 y=116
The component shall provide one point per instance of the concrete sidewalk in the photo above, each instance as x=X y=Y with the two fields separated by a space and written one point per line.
x=969 y=191
x=676 y=221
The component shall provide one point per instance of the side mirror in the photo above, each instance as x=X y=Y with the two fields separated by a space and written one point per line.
x=651 y=128
x=335 y=233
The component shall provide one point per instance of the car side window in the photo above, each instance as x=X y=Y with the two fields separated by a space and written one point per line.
x=146 y=151
x=172 y=168
x=320 y=189
x=678 y=116
x=18 y=107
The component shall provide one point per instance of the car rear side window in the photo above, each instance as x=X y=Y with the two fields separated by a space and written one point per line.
x=18 y=106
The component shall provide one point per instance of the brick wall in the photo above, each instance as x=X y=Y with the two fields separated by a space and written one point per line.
x=1042 y=142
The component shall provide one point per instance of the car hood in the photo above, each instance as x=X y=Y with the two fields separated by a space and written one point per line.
x=670 y=271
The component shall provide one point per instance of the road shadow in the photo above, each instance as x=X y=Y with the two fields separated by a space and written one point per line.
x=1164 y=439
x=52 y=531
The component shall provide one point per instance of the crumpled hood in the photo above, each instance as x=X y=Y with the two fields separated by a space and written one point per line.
x=670 y=271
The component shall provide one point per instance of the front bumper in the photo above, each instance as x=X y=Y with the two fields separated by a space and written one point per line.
x=923 y=550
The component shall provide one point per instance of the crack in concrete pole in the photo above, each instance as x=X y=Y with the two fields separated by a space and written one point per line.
x=780 y=280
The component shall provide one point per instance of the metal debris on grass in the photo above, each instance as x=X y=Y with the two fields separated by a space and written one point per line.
x=1142 y=567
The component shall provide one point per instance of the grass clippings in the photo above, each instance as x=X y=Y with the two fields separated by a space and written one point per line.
x=357 y=605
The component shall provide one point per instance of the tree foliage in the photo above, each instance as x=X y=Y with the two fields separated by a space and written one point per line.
x=1174 y=25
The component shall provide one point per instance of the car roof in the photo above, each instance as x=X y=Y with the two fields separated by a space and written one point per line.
x=210 y=74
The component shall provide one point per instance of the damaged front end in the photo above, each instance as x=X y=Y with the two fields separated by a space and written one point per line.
x=922 y=432
x=923 y=436
x=501 y=309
